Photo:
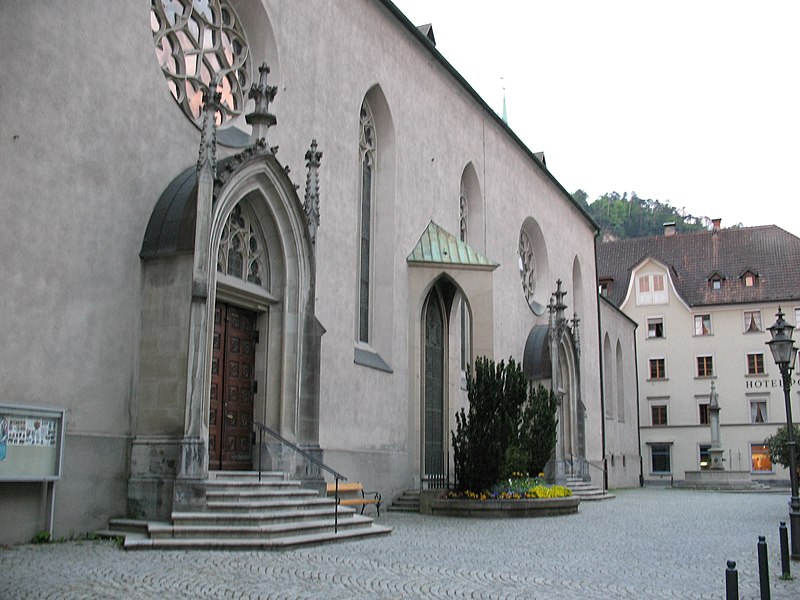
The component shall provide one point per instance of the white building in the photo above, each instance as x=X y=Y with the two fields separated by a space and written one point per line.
x=703 y=302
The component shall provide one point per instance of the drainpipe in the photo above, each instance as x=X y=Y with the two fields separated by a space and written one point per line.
x=602 y=387
x=638 y=408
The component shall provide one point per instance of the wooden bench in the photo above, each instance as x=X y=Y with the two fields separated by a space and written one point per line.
x=353 y=494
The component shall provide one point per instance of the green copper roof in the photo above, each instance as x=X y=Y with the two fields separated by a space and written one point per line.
x=437 y=246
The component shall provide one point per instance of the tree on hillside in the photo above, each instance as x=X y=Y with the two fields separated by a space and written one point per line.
x=624 y=217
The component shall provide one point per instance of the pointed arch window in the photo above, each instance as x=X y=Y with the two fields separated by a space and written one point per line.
x=463 y=215
x=367 y=154
x=241 y=251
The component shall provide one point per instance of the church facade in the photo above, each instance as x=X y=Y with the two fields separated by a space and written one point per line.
x=297 y=214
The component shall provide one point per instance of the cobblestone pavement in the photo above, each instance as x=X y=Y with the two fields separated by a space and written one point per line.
x=644 y=544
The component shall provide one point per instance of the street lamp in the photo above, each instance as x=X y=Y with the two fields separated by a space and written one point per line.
x=785 y=354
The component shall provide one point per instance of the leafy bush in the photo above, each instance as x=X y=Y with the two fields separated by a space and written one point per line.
x=778 y=445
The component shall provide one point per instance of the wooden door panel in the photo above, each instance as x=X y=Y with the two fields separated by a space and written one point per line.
x=231 y=403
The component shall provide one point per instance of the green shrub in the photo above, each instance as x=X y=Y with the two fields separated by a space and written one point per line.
x=41 y=537
x=510 y=426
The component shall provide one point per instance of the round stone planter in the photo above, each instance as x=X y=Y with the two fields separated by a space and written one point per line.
x=504 y=509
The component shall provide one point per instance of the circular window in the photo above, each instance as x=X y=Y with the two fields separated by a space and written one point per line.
x=531 y=250
x=199 y=43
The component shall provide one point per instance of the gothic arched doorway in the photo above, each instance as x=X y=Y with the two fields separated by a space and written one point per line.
x=435 y=338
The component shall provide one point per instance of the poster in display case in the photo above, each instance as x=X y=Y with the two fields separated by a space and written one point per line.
x=31 y=443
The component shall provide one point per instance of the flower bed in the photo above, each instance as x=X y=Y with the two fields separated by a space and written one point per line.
x=519 y=496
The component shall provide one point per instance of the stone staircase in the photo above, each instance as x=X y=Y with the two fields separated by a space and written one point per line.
x=586 y=491
x=408 y=501
x=243 y=513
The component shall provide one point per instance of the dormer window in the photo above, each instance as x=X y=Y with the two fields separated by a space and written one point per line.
x=651 y=289
x=715 y=281
x=605 y=287
x=749 y=278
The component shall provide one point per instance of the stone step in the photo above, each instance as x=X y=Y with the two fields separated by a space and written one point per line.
x=280 y=543
x=585 y=490
x=241 y=512
x=262 y=531
x=260 y=518
x=278 y=504
x=244 y=485
x=245 y=475
x=408 y=501
x=247 y=495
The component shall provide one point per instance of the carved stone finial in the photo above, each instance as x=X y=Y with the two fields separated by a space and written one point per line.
x=576 y=332
x=311 y=204
x=261 y=119
x=208 y=134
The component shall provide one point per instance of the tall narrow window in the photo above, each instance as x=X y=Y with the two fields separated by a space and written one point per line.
x=657 y=368
x=755 y=363
x=758 y=411
x=463 y=213
x=705 y=457
x=705 y=416
x=367 y=152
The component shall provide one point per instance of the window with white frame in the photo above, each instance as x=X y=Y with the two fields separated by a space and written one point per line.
x=658 y=368
x=703 y=413
x=705 y=456
x=755 y=363
x=651 y=289
x=702 y=324
x=660 y=458
x=797 y=317
x=752 y=321
x=758 y=410
x=658 y=415
x=655 y=327
x=759 y=457
x=705 y=365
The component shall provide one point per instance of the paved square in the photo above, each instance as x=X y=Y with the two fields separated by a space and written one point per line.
x=644 y=544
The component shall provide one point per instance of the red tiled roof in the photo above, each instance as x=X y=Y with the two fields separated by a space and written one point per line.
x=769 y=251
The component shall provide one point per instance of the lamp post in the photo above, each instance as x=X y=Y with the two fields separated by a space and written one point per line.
x=785 y=354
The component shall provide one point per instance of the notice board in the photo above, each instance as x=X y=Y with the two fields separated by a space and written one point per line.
x=31 y=443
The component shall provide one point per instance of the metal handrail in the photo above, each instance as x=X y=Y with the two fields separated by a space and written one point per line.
x=590 y=463
x=262 y=429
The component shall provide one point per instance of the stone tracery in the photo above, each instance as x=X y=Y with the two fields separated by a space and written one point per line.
x=200 y=44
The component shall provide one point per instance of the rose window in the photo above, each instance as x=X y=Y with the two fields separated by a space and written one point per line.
x=200 y=44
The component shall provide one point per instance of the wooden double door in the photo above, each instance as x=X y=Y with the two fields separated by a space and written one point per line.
x=230 y=422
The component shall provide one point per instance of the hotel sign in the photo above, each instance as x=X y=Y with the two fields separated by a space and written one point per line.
x=766 y=384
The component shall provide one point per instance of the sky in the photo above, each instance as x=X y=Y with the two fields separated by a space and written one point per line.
x=695 y=103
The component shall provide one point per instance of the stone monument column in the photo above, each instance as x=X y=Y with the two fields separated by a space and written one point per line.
x=716 y=452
